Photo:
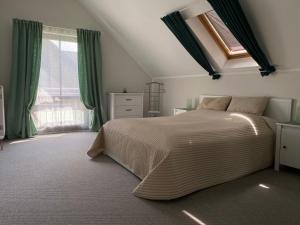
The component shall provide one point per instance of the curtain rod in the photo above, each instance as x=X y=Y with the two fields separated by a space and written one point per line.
x=60 y=31
x=60 y=28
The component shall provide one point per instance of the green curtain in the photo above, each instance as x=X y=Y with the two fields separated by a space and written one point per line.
x=233 y=16
x=90 y=74
x=179 y=28
x=26 y=61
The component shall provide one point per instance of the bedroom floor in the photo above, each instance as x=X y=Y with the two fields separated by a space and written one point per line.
x=50 y=180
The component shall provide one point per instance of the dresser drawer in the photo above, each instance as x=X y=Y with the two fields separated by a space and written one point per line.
x=128 y=111
x=126 y=100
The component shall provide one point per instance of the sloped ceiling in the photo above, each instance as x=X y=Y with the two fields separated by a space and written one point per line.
x=137 y=26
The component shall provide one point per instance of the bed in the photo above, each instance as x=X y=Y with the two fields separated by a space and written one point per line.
x=175 y=156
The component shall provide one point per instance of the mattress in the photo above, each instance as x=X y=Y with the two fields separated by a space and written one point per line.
x=175 y=156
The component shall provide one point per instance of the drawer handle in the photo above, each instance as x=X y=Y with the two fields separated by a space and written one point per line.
x=128 y=110
x=284 y=147
x=128 y=99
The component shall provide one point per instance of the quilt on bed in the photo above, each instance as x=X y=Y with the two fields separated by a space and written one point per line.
x=175 y=156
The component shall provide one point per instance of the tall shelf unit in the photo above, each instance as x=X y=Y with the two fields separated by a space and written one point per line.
x=154 y=91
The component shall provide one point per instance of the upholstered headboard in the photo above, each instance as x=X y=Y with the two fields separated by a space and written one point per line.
x=279 y=109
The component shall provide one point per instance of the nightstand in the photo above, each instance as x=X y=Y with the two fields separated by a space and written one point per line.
x=287 y=145
x=177 y=111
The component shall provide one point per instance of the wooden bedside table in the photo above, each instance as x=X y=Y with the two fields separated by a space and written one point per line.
x=177 y=111
x=287 y=145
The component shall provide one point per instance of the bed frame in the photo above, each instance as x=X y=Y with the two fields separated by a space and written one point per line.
x=279 y=109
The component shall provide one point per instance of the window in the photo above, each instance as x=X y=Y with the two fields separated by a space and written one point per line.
x=58 y=106
x=222 y=36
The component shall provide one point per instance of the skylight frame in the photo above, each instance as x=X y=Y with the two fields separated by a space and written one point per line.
x=219 y=40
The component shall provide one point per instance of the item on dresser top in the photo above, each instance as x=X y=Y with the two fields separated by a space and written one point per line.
x=189 y=103
x=215 y=103
x=298 y=115
x=251 y=105
x=125 y=105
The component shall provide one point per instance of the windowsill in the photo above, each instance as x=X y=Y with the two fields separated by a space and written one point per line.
x=242 y=64
x=62 y=131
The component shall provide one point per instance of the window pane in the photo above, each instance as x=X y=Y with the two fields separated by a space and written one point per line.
x=227 y=37
x=58 y=106
x=69 y=73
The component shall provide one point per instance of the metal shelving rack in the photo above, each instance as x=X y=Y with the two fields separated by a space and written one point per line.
x=154 y=90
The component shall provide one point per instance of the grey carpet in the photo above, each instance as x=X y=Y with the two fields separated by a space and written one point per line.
x=50 y=180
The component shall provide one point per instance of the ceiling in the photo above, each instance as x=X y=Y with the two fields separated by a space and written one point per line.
x=136 y=25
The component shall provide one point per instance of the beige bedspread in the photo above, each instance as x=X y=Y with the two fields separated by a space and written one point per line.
x=175 y=156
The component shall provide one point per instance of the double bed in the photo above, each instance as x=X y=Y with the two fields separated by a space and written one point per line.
x=175 y=156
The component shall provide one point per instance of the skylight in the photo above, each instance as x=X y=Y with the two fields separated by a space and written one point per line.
x=222 y=35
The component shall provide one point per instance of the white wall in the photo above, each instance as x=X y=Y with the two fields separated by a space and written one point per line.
x=119 y=69
x=281 y=84
x=137 y=26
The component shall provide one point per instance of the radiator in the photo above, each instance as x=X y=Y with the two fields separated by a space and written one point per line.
x=2 y=118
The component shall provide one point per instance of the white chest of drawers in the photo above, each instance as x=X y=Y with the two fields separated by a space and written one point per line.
x=125 y=105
